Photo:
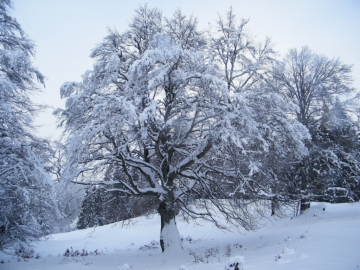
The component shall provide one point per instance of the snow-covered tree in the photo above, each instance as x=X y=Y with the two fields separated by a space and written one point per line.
x=337 y=153
x=314 y=83
x=157 y=118
x=26 y=204
x=184 y=31
x=91 y=214
x=245 y=63
x=246 y=67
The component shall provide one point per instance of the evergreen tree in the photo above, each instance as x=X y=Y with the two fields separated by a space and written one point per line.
x=92 y=212
x=337 y=141
x=26 y=195
x=100 y=208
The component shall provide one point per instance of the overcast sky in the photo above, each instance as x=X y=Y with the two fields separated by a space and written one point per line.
x=65 y=31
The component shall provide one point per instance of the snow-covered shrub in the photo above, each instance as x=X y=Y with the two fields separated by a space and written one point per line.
x=227 y=250
x=189 y=239
x=26 y=252
x=211 y=252
x=197 y=257
x=235 y=263
x=76 y=253
x=125 y=266
x=153 y=245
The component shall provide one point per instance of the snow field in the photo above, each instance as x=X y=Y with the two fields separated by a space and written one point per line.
x=319 y=239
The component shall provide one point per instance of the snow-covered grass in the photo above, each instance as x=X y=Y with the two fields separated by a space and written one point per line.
x=319 y=239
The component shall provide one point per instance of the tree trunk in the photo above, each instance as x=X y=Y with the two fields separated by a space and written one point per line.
x=304 y=204
x=274 y=206
x=169 y=235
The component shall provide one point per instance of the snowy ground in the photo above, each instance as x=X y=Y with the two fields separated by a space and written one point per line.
x=318 y=239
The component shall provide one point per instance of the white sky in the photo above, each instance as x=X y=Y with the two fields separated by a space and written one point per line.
x=65 y=31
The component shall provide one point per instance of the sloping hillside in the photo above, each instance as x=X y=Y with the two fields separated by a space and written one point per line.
x=327 y=236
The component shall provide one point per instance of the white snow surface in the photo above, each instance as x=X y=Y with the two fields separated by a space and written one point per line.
x=318 y=239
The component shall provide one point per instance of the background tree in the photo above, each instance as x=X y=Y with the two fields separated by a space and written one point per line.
x=246 y=66
x=26 y=201
x=100 y=207
x=245 y=63
x=184 y=31
x=338 y=142
x=92 y=212
x=158 y=120
x=313 y=82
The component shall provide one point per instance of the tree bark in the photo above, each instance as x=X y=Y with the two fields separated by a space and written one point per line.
x=274 y=206
x=304 y=204
x=169 y=234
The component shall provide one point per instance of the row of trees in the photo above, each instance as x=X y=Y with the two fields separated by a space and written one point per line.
x=100 y=207
x=186 y=119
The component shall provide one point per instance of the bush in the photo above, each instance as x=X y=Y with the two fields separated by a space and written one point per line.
x=235 y=263
x=26 y=253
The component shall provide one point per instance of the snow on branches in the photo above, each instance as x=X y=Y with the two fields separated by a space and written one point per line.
x=157 y=117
